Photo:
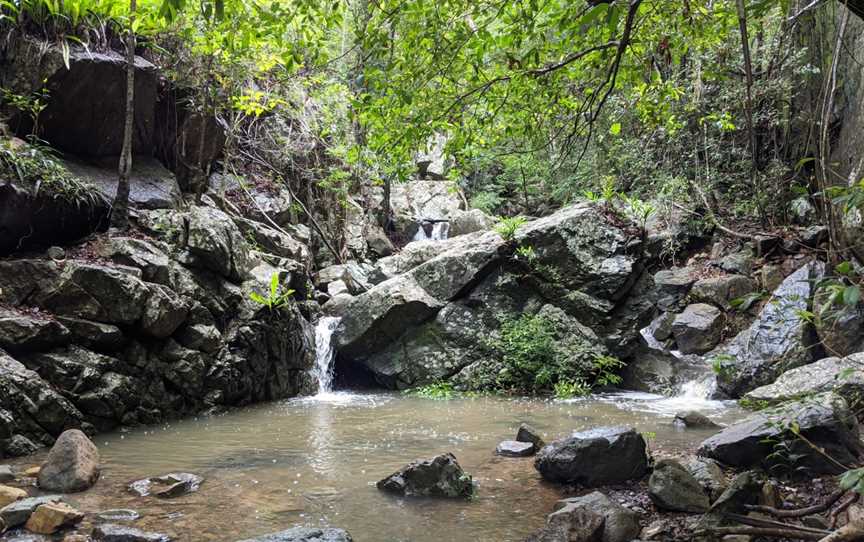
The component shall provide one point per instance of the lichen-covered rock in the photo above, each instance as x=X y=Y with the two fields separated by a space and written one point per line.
x=781 y=337
x=72 y=464
x=824 y=420
x=672 y=487
x=305 y=534
x=720 y=291
x=595 y=457
x=845 y=376
x=697 y=330
x=440 y=476
x=571 y=523
x=620 y=523
x=709 y=475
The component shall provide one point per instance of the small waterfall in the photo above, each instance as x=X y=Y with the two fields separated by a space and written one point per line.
x=324 y=353
x=439 y=232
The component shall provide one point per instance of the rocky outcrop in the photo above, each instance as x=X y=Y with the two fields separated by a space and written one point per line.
x=844 y=376
x=305 y=534
x=130 y=330
x=781 y=337
x=593 y=458
x=824 y=420
x=440 y=476
x=72 y=464
x=436 y=315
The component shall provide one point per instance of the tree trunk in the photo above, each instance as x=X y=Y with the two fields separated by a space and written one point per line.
x=120 y=210
x=748 y=71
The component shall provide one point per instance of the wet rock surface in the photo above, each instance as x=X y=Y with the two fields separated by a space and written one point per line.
x=513 y=448
x=109 y=532
x=167 y=486
x=440 y=476
x=72 y=464
x=596 y=457
x=305 y=534
x=620 y=523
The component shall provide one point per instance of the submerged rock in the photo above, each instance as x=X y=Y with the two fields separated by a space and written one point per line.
x=825 y=420
x=514 y=448
x=108 y=532
x=167 y=486
x=694 y=420
x=440 y=476
x=672 y=487
x=72 y=464
x=305 y=534
x=596 y=457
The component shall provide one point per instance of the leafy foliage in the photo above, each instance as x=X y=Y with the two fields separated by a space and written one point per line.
x=276 y=298
x=508 y=226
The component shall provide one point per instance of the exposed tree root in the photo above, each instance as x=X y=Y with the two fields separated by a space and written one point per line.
x=800 y=512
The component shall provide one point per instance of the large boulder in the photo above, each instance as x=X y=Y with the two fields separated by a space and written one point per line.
x=72 y=464
x=721 y=290
x=824 y=420
x=571 y=524
x=697 y=330
x=781 y=337
x=51 y=517
x=151 y=186
x=21 y=330
x=305 y=534
x=673 y=487
x=440 y=476
x=596 y=457
x=845 y=376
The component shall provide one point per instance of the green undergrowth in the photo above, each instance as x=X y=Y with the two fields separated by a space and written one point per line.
x=34 y=167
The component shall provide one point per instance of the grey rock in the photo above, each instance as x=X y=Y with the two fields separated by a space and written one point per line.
x=824 y=419
x=778 y=340
x=719 y=291
x=379 y=243
x=465 y=222
x=621 y=524
x=596 y=457
x=672 y=487
x=151 y=185
x=697 y=330
x=845 y=376
x=440 y=476
x=205 y=338
x=740 y=262
x=6 y=474
x=108 y=532
x=432 y=162
x=24 y=331
x=814 y=236
x=673 y=284
x=72 y=464
x=743 y=489
x=771 y=277
x=305 y=534
x=661 y=327
x=15 y=514
x=527 y=433
x=840 y=328
x=694 y=420
x=569 y=524
x=19 y=446
x=709 y=475
x=118 y=514
x=93 y=334
x=513 y=448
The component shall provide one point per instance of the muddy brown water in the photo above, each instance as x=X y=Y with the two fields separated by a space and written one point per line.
x=315 y=462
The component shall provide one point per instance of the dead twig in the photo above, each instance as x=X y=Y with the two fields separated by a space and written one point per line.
x=799 y=512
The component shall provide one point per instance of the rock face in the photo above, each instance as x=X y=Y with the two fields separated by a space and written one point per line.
x=778 y=340
x=825 y=420
x=72 y=464
x=697 y=329
x=305 y=534
x=435 y=315
x=845 y=376
x=440 y=476
x=149 y=330
x=593 y=458
x=672 y=487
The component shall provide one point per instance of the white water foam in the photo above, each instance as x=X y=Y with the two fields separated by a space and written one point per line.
x=325 y=353
x=440 y=232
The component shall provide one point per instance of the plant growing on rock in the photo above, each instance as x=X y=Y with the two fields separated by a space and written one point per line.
x=508 y=226
x=276 y=298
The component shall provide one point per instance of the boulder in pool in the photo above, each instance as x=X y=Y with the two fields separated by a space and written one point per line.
x=672 y=487
x=824 y=419
x=440 y=476
x=305 y=534
x=597 y=457
x=109 y=532
x=167 y=486
x=527 y=433
x=694 y=420
x=514 y=448
x=72 y=464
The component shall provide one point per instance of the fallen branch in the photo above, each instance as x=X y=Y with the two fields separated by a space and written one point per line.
x=770 y=523
x=799 y=512
x=770 y=533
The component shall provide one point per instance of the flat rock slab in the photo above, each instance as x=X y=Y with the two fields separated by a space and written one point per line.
x=109 y=532
x=167 y=486
x=305 y=534
x=514 y=448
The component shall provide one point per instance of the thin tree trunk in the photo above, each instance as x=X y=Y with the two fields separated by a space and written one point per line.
x=748 y=71
x=120 y=211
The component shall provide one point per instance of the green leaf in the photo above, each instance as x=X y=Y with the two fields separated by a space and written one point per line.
x=851 y=295
x=615 y=129
x=274 y=285
x=257 y=298
x=844 y=268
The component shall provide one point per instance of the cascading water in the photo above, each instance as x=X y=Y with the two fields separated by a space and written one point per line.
x=440 y=231
x=324 y=354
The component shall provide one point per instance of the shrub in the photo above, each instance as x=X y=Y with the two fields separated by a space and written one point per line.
x=507 y=227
